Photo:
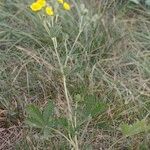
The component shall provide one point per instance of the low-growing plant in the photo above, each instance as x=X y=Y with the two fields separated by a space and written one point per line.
x=81 y=70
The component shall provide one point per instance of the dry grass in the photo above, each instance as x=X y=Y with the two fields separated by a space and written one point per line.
x=108 y=59
x=9 y=137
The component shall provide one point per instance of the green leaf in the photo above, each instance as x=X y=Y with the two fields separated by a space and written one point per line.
x=35 y=114
x=34 y=123
x=48 y=111
x=98 y=108
x=136 y=128
x=93 y=106
x=62 y=122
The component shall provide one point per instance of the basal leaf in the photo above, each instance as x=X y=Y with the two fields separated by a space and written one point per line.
x=93 y=106
x=34 y=123
x=136 y=128
x=48 y=111
x=34 y=113
x=62 y=122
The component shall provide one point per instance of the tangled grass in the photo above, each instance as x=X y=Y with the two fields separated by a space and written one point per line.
x=94 y=65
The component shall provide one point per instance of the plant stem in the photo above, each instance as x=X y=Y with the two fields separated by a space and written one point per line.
x=70 y=115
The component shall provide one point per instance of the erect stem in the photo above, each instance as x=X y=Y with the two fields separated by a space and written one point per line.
x=70 y=115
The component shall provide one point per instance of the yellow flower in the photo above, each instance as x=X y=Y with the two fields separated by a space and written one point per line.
x=49 y=11
x=60 y=1
x=35 y=6
x=41 y=2
x=66 y=6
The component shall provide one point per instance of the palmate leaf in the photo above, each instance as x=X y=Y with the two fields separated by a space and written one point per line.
x=93 y=106
x=98 y=108
x=34 y=123
x=136 y=128
x=48 y=111
x=34 y=114
x=62 y=122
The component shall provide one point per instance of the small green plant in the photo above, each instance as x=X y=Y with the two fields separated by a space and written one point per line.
x=93 y=106
x=135 y=128
x=42 y=119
